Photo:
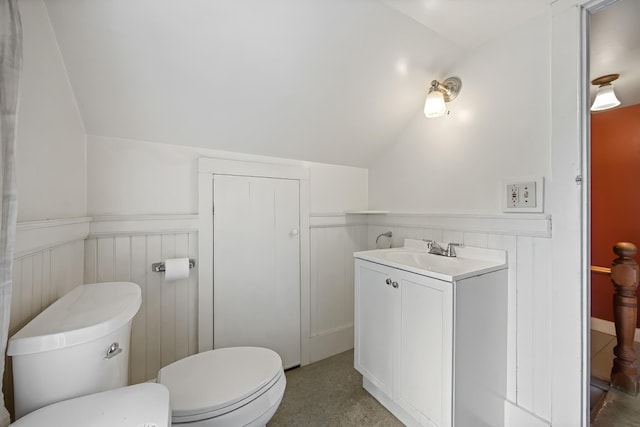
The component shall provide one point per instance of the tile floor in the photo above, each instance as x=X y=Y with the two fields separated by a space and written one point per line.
x=613 y=408
x=602 y=354
x=330 y=393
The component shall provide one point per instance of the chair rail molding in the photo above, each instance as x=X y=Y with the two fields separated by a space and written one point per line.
x=110 y=225
x=34 y=236
x=532 y=225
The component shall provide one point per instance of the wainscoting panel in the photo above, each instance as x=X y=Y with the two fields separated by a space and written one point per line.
x=332 y=284
x=527 y=242
x=164 y=330
x=42 y=277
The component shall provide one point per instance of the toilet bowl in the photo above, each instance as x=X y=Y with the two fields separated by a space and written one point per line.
x=137 y=405
x=80 y=345
x=235 y=386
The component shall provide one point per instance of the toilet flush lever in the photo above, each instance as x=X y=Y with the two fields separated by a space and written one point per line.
x=113 y=350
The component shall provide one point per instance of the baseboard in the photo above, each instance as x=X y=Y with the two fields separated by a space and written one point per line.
x=515 y=416
x=330 y=344
x=608 y=327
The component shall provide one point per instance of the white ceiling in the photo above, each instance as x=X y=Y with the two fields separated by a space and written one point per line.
x=331 y=81
x=615 y=48
x=322 y=80
x=470 y=23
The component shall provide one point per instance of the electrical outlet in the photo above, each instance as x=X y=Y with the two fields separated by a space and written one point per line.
x=521 y=195
x=513 y=196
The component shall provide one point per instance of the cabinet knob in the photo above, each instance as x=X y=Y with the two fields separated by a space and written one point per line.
x=388 y=281
x=395 y=284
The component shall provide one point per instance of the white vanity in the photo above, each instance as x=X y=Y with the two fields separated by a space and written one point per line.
x=431 y=333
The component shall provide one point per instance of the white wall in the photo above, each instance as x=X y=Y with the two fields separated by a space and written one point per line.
x=498 y=127
x=52 y=201
x=51 y=138
x=453 y=167
x=128 y=177
x=134 y=187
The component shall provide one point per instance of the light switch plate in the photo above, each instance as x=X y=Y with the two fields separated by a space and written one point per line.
x=523 y=194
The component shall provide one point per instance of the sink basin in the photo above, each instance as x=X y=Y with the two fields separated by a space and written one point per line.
x=469 y=262
x=420 y=259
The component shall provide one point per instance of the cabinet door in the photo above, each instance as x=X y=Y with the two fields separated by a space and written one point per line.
x=376 y=320
x=424 y=367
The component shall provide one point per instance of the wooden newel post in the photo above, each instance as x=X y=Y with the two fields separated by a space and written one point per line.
x=624 y=275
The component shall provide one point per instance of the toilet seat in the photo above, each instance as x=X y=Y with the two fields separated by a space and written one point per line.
x=216 y=382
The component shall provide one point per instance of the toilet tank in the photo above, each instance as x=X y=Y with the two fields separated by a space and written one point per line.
x=77 y=346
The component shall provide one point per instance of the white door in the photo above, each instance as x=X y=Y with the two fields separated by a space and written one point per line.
x=256 y=264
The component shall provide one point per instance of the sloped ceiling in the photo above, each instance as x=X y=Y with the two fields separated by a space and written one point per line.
x=470 y=23
x=320 y=80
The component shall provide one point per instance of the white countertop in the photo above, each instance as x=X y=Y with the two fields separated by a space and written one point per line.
x=414 y=257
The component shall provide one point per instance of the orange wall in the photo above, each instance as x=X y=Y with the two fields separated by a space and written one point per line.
x=615 y=195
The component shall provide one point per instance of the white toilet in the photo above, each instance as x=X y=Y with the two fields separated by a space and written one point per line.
x=80 y=345
x=137 y=405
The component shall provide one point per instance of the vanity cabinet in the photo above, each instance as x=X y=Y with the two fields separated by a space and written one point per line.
x=432 y=351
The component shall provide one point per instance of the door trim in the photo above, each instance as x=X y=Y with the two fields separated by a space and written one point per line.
x=207 y=167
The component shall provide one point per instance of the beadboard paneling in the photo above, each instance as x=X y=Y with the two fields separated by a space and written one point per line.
x=164 y=329
x=41 y=277
x=332 y=284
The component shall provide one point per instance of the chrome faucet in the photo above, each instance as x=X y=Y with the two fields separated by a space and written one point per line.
x=450 y=252
x=436 y=249
x=429 y=243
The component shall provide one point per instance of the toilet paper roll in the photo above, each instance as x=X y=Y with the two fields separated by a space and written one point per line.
x=176 y=269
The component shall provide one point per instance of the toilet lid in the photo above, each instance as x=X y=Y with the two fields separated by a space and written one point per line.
x=138 y=405
x=215 y=379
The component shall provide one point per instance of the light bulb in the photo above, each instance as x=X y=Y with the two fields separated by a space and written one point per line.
x=434 y=106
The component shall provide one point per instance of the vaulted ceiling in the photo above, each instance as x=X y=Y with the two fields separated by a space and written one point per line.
x=321 y=80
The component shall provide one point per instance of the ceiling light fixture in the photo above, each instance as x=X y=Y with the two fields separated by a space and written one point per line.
x=605 y=96
x=439 y=94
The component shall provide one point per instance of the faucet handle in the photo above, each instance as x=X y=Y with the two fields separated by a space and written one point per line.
x=450 y=251
x=429 y=243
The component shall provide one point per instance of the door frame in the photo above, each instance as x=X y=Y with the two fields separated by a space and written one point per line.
x=588 y=8
x=569 y=201
x=207 y=167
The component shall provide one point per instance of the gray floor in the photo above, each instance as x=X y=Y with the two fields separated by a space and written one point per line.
x=615 y=408
x=329 y=393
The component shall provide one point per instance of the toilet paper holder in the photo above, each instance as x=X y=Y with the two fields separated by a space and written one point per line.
x=158 y=267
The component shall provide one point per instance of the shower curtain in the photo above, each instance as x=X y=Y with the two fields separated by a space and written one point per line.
x=10 y=63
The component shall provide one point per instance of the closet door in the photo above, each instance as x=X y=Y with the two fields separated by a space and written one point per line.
x=256 y=264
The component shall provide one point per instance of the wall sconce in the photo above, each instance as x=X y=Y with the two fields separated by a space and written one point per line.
x=605 y=96
x=439 y=93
